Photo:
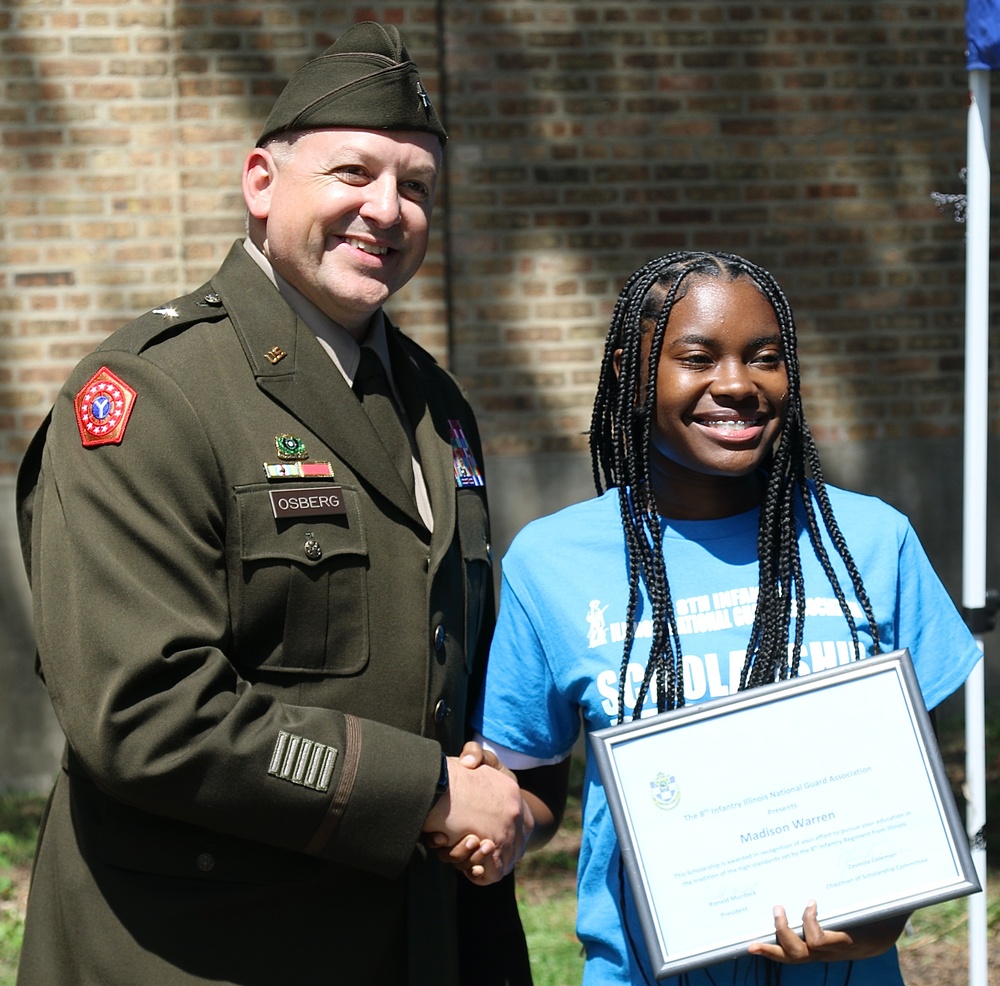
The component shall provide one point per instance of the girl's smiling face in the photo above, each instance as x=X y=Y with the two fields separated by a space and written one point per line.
x=721 y=394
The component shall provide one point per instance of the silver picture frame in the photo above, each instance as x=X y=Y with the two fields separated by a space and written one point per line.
x=826 y=787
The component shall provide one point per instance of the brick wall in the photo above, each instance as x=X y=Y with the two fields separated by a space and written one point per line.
x=587 y=137
x=808 y=136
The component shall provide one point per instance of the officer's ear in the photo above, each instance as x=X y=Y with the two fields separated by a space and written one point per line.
x=259 y=173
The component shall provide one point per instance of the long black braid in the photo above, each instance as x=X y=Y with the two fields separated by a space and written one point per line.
x=621 y=429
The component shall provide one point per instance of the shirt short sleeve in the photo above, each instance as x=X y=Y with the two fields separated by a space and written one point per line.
x=523 y=708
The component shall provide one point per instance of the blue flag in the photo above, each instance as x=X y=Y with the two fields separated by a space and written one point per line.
x=982 y=30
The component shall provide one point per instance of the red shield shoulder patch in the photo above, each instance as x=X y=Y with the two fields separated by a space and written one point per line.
x=103 y=408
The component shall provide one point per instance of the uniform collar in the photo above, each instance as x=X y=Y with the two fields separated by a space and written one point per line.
x=339 y=344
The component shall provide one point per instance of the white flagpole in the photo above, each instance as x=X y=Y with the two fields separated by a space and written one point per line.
x=977 y=270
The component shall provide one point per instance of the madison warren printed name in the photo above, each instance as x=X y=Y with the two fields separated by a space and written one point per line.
x=796 y=823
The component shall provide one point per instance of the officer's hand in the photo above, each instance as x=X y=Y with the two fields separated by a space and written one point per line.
x=483 y=801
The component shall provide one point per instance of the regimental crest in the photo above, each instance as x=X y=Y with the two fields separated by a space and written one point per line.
x=665 y=791
x=103 y=408
x=290 y=448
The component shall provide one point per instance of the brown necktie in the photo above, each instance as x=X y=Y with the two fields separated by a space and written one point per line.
x=372 y=388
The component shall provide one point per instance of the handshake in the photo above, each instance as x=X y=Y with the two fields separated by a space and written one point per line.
x=481 y=825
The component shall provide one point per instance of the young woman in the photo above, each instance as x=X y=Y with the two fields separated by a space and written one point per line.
x=710 y=497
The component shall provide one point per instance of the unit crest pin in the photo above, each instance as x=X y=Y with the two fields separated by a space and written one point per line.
x=290 y=448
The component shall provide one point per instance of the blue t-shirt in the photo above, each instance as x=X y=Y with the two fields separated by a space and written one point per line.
x=558 y=647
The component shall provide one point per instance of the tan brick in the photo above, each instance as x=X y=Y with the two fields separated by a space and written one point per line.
x=587 y=137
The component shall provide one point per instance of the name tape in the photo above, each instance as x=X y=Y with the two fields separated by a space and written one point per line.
x=313 y=501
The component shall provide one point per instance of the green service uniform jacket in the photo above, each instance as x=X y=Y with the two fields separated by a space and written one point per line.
x=255 y=705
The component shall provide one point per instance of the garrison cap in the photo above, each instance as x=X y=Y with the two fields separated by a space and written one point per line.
x=364 y=81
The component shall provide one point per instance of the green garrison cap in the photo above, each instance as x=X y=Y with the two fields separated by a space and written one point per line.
x=365 y=81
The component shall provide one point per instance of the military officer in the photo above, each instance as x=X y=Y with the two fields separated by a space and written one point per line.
x=255 y=525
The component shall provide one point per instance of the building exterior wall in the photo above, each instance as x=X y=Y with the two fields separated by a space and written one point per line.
x=586 y=138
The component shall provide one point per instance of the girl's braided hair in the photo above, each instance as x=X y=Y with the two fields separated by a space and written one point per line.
x=620 y=434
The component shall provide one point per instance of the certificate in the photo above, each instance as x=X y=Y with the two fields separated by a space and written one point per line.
x=829 y=787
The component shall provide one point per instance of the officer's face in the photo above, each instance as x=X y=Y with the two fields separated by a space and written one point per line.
x=345 y=214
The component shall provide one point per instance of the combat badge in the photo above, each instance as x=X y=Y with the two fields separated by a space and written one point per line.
x=103 y=408
x=466 y=469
